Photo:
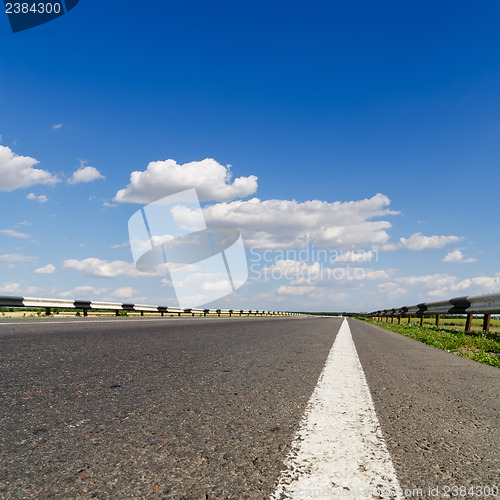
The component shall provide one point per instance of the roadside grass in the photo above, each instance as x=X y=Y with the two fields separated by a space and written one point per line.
x=459 y=323
x=483 y=347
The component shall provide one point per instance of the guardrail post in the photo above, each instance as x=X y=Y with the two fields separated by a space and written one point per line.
x=487 y=322
x=47 y=311
x=422 y=319
x=142 y=313
x=218 y=313
x=409 y=318
x=468 y=323
x=85 y=313
x=117 y=313
x=438 y=317
x=162 y=314
x=399 y=319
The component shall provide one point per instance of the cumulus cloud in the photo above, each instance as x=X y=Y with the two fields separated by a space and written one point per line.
x=57 y=126
x=93 y=266
x=104 y=294
x=40 y=199
x=308 y=290
x=11 y=233
x=18 y=172
x=85 y=174
x=10 y=288
x=456 y=256
x=84 y=291
x=213 y=182
x=418 y=241
x=303 y=275
x=16 y=259
x=445 y=285
x=121 y=245
x=125 y=292
x=48 y=269
x=357 y=257
x=281 y=224
x=391 y=290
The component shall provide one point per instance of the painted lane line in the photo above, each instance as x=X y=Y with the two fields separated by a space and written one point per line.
x=339 y=450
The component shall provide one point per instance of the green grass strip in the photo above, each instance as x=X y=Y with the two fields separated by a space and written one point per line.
x=482 y=347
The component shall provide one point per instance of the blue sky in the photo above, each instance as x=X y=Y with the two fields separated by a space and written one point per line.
x=323 y=102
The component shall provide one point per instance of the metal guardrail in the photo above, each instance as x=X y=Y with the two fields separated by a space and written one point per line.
x=87 y=305
x=486 y=305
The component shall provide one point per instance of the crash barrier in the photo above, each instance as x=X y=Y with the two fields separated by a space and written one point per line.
x=469 y=305
x=88 y=305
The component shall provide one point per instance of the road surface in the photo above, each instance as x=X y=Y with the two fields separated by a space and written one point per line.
x=231 y=408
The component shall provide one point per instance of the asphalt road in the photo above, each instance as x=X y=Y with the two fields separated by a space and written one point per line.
x=195 y=409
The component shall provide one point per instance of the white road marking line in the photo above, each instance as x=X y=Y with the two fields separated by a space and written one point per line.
x=339 y=451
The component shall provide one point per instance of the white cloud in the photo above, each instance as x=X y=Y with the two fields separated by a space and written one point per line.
x=16 y=259
x=391 y=290
x=281 y=224
x=428 y=281
x=48 y=269
x=84 y=291
x=167 y=283
x=104 y=294
x=358 y=257
x=302 y=275
x=125 y=292
x=10 y=288
x=456 y=256
x=417 y=242
x=40 y=199
x=107 y=204
x=445 y=286
x=121 y=245
x=57 y=126
x=306 y=296
x=296 y=290
x=11 y=233
x=18 y=172
x=162 y=178
x=104 y=269
x=85 y=174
